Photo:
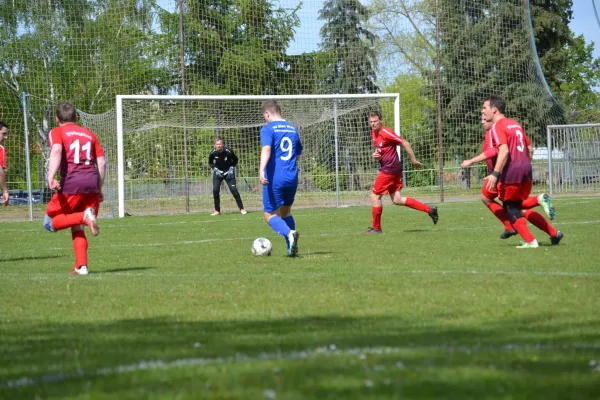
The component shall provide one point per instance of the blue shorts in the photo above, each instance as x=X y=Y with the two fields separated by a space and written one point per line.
x=273 y=198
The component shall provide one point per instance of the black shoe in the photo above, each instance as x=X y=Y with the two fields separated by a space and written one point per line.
x=507 y=234
x=433 y=214
x=556 y=239
x=372 y=231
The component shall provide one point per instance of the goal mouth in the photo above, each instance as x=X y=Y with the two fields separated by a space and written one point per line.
x=163 y=143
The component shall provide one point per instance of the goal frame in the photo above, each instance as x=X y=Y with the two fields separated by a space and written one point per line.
x=121 y=98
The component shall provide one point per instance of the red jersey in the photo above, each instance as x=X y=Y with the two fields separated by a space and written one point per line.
x=2 y=157
x=386 y=141
x=518 y=167
x=80 y=150
x=490 y=146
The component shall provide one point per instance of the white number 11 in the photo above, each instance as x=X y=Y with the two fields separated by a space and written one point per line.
x=86 y=147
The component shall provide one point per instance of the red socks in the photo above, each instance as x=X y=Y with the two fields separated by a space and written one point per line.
x=80 y=245
x=530 y=202
x=498 y=211
x=540 y=222
x=64 y=221
x=376 y=216
x=523 y=230
x=417 y=205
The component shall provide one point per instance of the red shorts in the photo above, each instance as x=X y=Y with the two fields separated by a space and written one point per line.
x=515 y=191
x=72 y=203
x=387 y=183
x=489 y=194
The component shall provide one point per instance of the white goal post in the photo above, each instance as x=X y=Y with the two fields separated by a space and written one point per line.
x=174 y=134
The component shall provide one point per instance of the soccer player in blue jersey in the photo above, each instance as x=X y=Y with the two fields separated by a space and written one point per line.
x=278 y=172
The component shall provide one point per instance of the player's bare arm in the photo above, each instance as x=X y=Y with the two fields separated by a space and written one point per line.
x=101 y=164
x=265 y=154
x=492 y=179
x=480 y=157
x=54 y=164
x=406 y=146
x=4 y=186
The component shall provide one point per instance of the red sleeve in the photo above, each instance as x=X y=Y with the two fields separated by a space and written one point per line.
x=499 y=134
x=2 y=157
x=527 y=141
x=54 y=137
x=489 y=153
x=390 y=135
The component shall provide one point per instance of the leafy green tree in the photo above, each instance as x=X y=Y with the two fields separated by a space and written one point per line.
x=351 y=44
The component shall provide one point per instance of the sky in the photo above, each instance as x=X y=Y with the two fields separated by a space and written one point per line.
x=584 y=22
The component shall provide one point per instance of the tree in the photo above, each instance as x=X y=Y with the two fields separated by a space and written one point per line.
x=351 y=45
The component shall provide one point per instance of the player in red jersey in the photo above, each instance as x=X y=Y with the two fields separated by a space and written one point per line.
x=389 y=179
x=512 y=173
x=3 y=136
x=79 y=155
x=488 y=197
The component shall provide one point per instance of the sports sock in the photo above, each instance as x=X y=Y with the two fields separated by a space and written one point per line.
x=417 y=205
x=530 y=202
x=80 y=245
x=540 y=222
x=499 y=213
x=279 y=226
x=64 y=221
x=376 y=217
x=289 y=220
x=523 y=230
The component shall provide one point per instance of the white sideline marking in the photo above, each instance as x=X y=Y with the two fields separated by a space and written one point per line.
x=323 y=351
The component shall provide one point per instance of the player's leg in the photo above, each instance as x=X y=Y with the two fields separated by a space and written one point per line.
x=488 y=198
x=217 y=194
x=540 y=222
x=376 y=211
x=80 y=246
x=542 y=200
x=60 y=214
x=236 y=194
x=400 y=200
x=272 y=201
x=288 y=195
x=512 y=197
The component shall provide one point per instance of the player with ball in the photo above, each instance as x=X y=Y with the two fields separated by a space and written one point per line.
x=278 y=173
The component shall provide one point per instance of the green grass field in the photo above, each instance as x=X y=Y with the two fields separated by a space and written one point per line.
x=176 y=307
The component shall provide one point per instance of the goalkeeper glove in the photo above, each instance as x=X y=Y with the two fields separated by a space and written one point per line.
x=218 y=172
x=231 y=171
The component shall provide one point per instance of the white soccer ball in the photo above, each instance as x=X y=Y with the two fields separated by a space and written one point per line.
x=262 y=247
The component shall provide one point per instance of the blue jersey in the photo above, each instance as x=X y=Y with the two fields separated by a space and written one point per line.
x=282 y=136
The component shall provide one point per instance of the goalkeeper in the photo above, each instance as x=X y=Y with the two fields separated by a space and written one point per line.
x=222 y=162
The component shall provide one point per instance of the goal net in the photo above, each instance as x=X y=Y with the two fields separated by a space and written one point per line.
x=573 y=159
x=163 y=145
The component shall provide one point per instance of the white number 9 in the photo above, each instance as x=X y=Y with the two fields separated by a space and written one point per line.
x=286 y=147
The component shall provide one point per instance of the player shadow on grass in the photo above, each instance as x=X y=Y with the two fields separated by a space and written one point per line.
x=431 y=359
x=108 y=271
x=25 y=258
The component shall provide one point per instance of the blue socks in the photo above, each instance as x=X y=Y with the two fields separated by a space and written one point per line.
x=289 y=220
x=280 y=226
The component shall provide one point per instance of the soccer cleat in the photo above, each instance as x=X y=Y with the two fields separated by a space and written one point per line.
x=507 y=234
x=216 y=213
x=89 y=218
x=82 y=270
x=544 y=201
x=532 y=245
x=433 y=214
x=293 y=243
x=556 y=239
x=244 y=212
x=372 y=231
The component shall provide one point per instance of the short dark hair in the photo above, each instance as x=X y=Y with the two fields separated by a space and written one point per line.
x=219 y=138
x=498 y=102
x=66 y=112
x=271 y=106
x=3 y=125
x=375 y=114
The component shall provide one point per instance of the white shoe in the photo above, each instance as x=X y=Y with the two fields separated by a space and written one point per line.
x=244 y=212
x=532 y=245
x=216 y=213
x=80 y=271
x=89 y=218
x=544 y=201
x=293 y=246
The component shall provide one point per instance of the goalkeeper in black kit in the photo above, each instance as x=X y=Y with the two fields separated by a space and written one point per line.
x=222 y=162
